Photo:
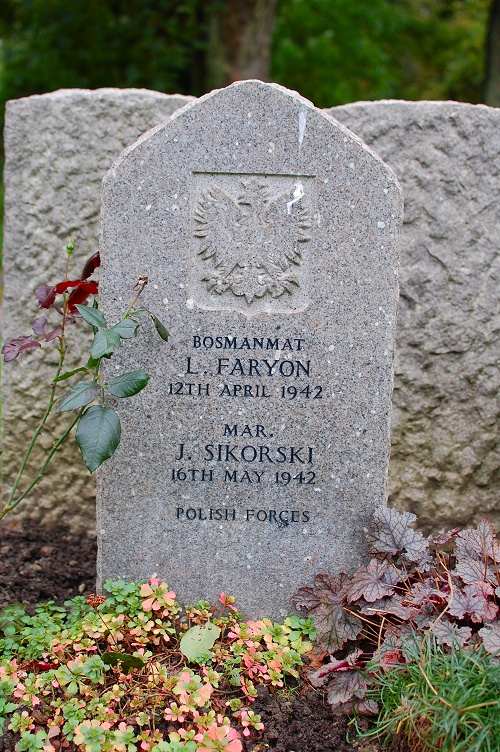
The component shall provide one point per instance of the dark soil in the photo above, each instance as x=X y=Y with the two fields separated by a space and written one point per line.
x=39 y=564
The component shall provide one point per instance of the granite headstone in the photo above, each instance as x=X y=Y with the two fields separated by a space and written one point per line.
x=257 y=452
x=445 y=457
x=58 y=147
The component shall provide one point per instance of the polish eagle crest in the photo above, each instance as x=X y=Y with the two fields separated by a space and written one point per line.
x=252 y=243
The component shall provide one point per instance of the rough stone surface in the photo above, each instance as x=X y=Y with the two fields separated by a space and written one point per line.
x=58 y=147
x=258 y=450
x=445 y=458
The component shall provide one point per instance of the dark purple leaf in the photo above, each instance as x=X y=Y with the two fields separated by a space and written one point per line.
x=368 y=583
x=491 y=638
x=321 y=676
x=393 y=605
x=335 y=626
x=482 y=542
x=468 y=602
x=443 y=537
x=345 y=687
x=91 y=265
x=448 y=633
x=45 y=295
x=39 y=326
x=427 y=591
x=390 y=535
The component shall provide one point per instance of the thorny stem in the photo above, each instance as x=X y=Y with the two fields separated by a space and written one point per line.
x=12 y=504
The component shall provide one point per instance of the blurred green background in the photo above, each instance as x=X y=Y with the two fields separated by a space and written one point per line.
x=332 y=51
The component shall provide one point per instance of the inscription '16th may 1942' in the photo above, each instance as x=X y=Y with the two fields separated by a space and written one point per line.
x=246 y=454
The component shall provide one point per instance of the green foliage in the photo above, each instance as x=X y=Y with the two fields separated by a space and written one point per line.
x=112 y=674
x=438 y=699
x=336 y=51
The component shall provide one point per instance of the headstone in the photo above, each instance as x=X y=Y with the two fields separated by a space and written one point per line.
x=445 y=458
x=58 y=147
x=258 y=450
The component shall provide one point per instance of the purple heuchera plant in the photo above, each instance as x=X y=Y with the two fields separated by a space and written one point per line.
x=448 y=585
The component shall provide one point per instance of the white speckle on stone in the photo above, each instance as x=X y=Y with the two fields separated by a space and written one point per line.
x=307 y=558
x=175 y=207
x=351 y=166
x=132 y=492
x=331 y=348
x=345 y=140
x=297 y=195
x=359 y=375
x=165 y=301
x=386 y=191
x=277 y=355
x=148 y=208
x=186 y=497
x=175 y=140
x=380 y=225
x=181 y=285
x=318 y=490
x=281 y=585
x=190 y=304
x=271 y=147
x=155 y=287
x=248 y=566
x=175 y=195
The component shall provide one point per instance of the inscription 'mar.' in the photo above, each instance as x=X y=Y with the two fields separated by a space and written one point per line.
x=251 y=235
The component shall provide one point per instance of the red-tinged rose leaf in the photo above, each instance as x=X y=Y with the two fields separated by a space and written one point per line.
x=39 y=326
x=393 y=605
x=345 y=687
x=468 y=602
x=91 y=265
x=45 y=295
x=11 y=349
x=81 y=293
x=368 y=583
x=64 y=286
x=448 y=633
x=390 y=534
x=334 y=625
x=479 y=543
x=491 y=638
x=53 y=334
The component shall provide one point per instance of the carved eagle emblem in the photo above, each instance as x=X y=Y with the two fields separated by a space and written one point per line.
x=253 y=241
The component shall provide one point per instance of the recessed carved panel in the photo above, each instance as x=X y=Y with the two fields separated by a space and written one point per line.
x=251 y=240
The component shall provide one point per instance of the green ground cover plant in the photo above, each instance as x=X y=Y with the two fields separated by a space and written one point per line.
x=98 y=429
x=135 y=671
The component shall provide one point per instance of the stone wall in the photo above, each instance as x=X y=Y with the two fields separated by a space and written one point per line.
x=58 y=148
x=445 y=457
